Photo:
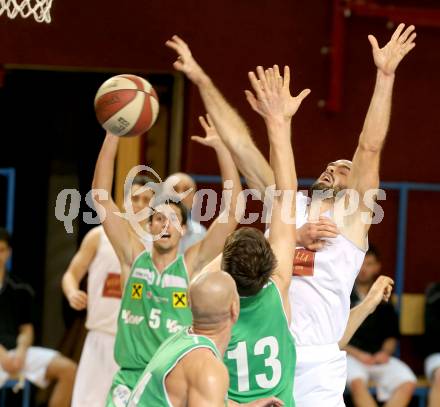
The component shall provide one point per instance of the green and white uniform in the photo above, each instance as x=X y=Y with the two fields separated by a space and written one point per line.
x=261 y=355
x=150 y=391
x=154 y=306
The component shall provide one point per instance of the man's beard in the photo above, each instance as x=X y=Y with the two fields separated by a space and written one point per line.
x=320 y=186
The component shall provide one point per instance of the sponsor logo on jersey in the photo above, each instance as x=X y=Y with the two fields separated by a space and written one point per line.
x=131 y=319
x=136 y=291
x=121 y=394
x=174 y=281
x=112 y=286
x=180 y=299
x=151 y=296
x=304 y=263
x=144 y=274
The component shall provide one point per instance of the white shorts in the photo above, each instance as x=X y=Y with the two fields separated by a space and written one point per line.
x=95 y=371
x=35 y=366
x=432 y=363
x=387 y=377
x=320 y=376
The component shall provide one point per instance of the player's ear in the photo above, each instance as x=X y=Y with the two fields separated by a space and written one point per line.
x=184 y=230
x=235 y=310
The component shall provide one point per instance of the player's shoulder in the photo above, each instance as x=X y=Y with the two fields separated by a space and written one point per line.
x=204 y=360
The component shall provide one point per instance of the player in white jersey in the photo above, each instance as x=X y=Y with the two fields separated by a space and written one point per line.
x=321 y=287
x=102 y=300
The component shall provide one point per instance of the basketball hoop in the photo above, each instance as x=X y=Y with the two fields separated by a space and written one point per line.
x=39 y=9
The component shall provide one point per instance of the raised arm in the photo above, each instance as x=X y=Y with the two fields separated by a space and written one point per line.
x=116 y=228
x=78 y=268
x=200 y=254
x=230 y=125
x=379 y=291
x=275 y=104
x=364 y=174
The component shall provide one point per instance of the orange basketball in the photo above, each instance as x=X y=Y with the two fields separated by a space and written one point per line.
x=126 y=105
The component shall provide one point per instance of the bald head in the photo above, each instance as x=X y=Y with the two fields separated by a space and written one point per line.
x=213 y=299
x=181 y=183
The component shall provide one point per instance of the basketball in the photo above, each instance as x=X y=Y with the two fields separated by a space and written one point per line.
x=126 y=105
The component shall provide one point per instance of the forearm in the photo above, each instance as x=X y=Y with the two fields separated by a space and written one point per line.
x=378 y=116
x=229 y=172
x=103 y=177
x=235 y=134
x=355 y=320
x=3 y=353
x=389 y=346
x=281 y=155
x=25 y=339
x=69 y=283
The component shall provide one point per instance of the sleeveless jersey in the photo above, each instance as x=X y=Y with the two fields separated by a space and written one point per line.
x=154 y=306
x=103 y=288
x=261 y=355
x=150 y=389
x=321 y=286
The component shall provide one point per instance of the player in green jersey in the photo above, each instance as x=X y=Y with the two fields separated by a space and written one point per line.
x=154 y=303
x=188 y=369
x=261 y=354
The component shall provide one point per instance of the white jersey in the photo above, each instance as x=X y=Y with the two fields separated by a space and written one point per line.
x=321 y=286
x=104 y=288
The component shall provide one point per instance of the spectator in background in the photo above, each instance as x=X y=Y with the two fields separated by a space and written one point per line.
x=182 y=183
x=432 y=336
x=372 y=346
x=18 y=358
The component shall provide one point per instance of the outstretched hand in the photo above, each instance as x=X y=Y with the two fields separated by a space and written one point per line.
x=211 y=139
x=401 y=43
x=185 y=61
x=273 y=100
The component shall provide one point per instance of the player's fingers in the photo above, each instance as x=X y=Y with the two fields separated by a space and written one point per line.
x=315 y=246
x=411 y=39
x=180 y=42
x=286 y=79
x=373 y=42
x=272 y=78
x=398 y=31
x=178 y=66
x=256 y=85
x=406 y=34
x=278 y=77
x=208 y=117
x=203 y=123
x=251 y=100
x=327 y=222
x=262 y=77
x=304 y=94
x=321 y=234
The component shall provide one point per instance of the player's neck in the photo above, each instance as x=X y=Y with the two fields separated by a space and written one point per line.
x=2 y=274
x=162 y=259
x=220 y=336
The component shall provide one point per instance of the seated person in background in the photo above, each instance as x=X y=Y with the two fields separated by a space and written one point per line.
x=372 y=346
x=195 y=231
x=18 y=359
x=432 y=339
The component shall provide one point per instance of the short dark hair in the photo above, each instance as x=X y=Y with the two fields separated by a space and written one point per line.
x=5 y=237
x=170 y=200
x=373 y=251
x=140 y=180
x=249 y=259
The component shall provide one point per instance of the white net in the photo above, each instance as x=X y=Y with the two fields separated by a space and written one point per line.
x=39 y=9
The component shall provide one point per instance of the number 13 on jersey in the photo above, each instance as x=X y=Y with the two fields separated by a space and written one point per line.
x=243 y=358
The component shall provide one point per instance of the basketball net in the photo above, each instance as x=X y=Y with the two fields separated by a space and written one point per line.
x=39 y=9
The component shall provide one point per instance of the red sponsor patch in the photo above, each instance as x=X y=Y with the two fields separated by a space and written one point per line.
x=112 y=286
x=304 y=263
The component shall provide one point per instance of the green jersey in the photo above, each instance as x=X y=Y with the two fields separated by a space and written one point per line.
x=150 y=389
x=154 y=306
x=261 y=355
